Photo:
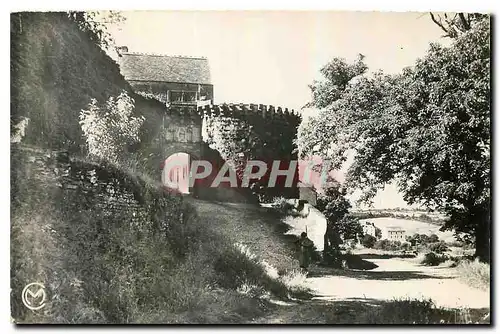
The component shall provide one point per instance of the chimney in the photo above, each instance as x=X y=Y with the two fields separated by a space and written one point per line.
x=121 y=50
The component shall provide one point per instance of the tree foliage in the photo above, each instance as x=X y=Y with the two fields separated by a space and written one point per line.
x=428 y=128
x=455 y=24
x=340 y=225
x=95 y=25
x=368 y=241
x=111 y=127
x=239 y=139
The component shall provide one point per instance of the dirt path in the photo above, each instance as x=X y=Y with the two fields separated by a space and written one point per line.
x=348 y=296
x=399 y=278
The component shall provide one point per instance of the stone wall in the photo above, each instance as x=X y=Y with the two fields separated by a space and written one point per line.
x=82 y=185
x=243 y=132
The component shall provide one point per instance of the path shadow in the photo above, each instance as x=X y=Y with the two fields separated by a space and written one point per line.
x=373 y=275
x=387 y=256
x=358 y=311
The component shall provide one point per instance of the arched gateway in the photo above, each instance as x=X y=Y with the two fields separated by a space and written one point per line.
x=176 y=172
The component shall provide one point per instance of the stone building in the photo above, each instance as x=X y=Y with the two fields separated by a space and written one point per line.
x=173 y=80
x=394 y=233
x=369 y=228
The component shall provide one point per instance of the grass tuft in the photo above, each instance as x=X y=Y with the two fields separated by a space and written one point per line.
x=474 y=273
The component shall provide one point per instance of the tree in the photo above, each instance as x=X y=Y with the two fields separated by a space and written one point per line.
x=383 y=244
x=455 y=24
x=110 y=128
x=341 y=226
x=428 y=128
x=424 y=239
x=438 y=247
x=414 y=240
x=368 y=241
x=94 y=24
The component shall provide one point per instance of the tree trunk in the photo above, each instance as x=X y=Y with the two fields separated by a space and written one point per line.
x=482 y=234
x=326 y=246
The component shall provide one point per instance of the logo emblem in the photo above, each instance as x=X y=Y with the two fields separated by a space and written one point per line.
x=34 y=296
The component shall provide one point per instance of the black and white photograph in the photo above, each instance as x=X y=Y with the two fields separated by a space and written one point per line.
x=250 y=167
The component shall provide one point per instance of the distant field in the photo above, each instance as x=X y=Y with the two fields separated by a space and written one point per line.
x=423 y=216
x=412 y=226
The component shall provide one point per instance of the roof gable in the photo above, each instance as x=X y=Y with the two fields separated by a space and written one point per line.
x=145 y=67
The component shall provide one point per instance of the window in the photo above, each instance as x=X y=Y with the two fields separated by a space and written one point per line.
x=182 y=96
x=175 y=96
x=189 y=96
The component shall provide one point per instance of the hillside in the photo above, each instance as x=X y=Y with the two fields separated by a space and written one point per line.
x=56 y=70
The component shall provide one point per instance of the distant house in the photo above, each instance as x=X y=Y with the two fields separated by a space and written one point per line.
x=173 y=80
x=394 y=234
x=369 y=228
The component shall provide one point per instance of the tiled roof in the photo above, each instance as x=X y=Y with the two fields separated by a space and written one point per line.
x=147 y=67
x=395 y=229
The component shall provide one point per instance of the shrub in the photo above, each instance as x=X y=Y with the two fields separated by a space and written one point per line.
x=438 y=247
x=433 y=259
x=406 y=246
x=433 y=238
x=368 y=241
x=294 y=280
x=396 y=245
x=455 y=243
x=382 y=244
x=388 y=245
x=282 y=205
x=111 y=127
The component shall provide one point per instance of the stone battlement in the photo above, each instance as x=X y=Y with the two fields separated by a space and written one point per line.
x=234 y=110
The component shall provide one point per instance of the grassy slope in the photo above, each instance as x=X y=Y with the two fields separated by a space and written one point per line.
x=55 y=72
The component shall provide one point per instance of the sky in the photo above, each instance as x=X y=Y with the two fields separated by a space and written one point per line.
x=271 y=57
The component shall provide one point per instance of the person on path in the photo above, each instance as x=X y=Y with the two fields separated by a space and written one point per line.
x=306 y=246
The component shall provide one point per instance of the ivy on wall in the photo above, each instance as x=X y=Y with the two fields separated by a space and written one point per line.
x=254 y=138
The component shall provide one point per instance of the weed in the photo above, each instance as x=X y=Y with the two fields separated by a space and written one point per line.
x=474 y=273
